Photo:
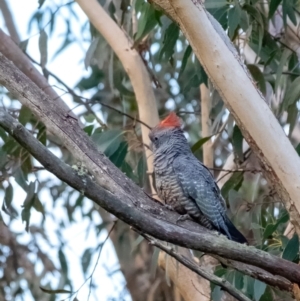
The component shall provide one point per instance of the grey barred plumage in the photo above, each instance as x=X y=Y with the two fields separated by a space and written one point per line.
x=184 y=183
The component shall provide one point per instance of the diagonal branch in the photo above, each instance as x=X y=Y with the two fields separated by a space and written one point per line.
x=114 y=191
x=228 y=287
x=15 y=54
x=258 y=273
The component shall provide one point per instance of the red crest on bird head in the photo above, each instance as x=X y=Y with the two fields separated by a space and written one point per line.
x=172 y=120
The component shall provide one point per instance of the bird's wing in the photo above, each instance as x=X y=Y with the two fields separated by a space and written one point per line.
x=197 y=182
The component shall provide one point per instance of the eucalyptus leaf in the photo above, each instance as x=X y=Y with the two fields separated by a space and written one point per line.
x=238 y=280
x=288 y=11
x=107 y=141
x=119 y=155
x=291 y=251
x=23 y=45
x=89 y=129
x=136 y=243
x=297 y=149
x=273 y=7
x=200 y=143
x=57 y=291
x=42 y=134
x=258 y=77
x=234 y=182
x=185 y=58
x=63 y=261
x=86 y=259
x=234 y=15
x=141 y=170
x=43 y=47
x=37 y=205
x=237 y=143
x=20 y=179
x=259 y=289
x=147 y=22
x=27 y=205
x=154 y=262
x=285 y=56
x=24 y=115
x=90 y=52
x=292 y=95
x=41 y=2
x=170 y=39
x=9 y=192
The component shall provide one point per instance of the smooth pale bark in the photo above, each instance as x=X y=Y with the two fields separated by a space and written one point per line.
x=133 y=65
x=237 y=89
x=9 y=22
x=208 y=151
x=191 y=288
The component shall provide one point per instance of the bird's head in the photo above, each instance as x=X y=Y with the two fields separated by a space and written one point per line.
x=167 y=134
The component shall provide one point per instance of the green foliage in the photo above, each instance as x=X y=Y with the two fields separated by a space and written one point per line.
x=237 y=142
x=291 y=251
x=199 y=143
x=43 y=43
x=154 y=261
x=234 y=16
x=273 y=7
x=234 y=182
x=59 y=291
x=258 y=77
x=259 y=289
x=170 y=39
x=148 y=21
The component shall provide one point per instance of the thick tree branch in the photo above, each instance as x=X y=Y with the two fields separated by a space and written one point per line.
x=15 y=54
x=258 y=273
x=208 y=150
x=241 y=96
x=116 y=193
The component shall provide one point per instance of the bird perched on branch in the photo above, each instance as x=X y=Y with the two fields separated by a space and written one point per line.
x=184 y=183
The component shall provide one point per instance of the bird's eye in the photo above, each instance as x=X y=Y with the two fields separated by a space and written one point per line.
x=155 y=138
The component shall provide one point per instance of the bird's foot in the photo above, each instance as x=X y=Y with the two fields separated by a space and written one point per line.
x=183 y=217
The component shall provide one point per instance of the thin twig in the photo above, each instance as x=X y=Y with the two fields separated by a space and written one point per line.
x=74 y=94
x=227 y=286
x=219 y=134
x=101 y=247
x=69 y=90
x=91 y=276
x=122 y=113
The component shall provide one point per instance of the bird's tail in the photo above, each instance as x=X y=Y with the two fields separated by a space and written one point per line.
x=234 y=233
